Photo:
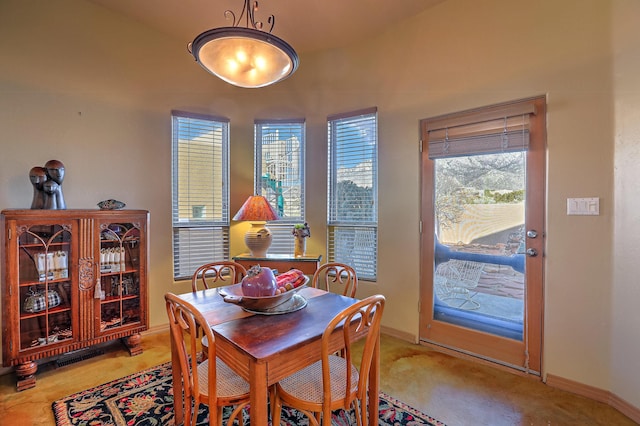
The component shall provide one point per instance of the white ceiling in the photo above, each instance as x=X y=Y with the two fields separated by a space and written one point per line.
x=306 y=25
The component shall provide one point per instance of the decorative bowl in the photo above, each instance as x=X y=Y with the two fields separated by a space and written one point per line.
x=111 y=205
x=233 y=294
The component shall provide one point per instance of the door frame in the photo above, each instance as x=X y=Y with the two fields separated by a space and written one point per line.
x=525 y=355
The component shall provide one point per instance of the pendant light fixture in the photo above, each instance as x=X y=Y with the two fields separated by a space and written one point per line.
x=245 y=57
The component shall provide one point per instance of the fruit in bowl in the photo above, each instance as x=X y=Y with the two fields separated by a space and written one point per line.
x=289 y=280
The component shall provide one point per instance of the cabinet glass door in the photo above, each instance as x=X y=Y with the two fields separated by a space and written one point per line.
x=45 y=291
x=120 y=301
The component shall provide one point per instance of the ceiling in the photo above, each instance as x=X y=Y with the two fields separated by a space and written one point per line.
x=307 y=25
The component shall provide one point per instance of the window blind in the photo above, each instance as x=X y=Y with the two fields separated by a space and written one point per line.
x=353 y=191
x=200 y=195
x=279 y=147
x=503 y=128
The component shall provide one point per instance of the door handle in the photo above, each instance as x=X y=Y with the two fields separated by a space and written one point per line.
x=532 y=233
x=531 y=252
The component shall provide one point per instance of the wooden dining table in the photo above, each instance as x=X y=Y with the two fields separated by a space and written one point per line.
x=264 y=349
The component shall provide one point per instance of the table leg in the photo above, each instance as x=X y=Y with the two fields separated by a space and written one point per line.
x=177 y=385
x=259 y=394
x=374 y=385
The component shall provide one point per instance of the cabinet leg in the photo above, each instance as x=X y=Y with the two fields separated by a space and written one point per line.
x=133 y=344
x=26 y=374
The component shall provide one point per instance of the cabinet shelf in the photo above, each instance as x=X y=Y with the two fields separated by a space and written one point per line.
x=36 y=343
x=112 y=299
x=50 y=311
x=39 y=245
x=128 y=270
x=127 y=240
x=42 y=283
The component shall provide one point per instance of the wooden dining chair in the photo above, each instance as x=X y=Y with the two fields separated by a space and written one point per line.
x=217 y=274
x=336 y=277
x=334 y=382
x=215 y=385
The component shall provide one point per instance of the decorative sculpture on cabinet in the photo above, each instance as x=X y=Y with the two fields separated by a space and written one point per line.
x=47 y=186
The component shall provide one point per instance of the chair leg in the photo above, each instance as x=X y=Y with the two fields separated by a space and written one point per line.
x=188 y=417
x=314 y=417
x=361 y=412
x=276 y=408
x=326 y=416
x=236 y=413
x=272 y=402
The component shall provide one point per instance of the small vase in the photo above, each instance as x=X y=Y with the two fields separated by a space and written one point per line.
x=299 y=246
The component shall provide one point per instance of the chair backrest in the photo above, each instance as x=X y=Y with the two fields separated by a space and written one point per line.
x=216 y=274
x=185 y=323
x=364 y=318
x=336 y=277
x=462 y=273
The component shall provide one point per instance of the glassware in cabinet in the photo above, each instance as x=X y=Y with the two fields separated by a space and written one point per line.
x=44 y=285
x=120 y=302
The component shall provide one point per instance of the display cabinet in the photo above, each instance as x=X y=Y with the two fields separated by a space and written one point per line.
x=71 y=279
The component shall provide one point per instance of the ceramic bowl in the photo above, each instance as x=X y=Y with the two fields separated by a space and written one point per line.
x=111 y=205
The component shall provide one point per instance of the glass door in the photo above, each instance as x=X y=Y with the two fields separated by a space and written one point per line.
x=119 y=291
x=479 y=267
x=483 y=201
x=45 y=290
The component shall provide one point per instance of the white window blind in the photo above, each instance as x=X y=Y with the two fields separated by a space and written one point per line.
x=200 y=191
x=279 y=176
x=353 y=191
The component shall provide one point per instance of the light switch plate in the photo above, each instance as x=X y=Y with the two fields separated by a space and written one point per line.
x=583 y=206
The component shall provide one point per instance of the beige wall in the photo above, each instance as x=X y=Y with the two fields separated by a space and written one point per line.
x=94 y=90
x=625 y=314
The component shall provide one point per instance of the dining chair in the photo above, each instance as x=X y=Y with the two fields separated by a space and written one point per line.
x=204 y=382
x=334 y=382
x=216 y=274
x=338 y=277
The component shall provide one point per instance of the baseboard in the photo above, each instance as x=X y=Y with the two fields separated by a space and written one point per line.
x=163 y=328
x=478 y=360
x=596 y=394
x=402 y=335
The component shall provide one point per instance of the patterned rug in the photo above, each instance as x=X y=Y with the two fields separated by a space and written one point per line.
x=146 y=398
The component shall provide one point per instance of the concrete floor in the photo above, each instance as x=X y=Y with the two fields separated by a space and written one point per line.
x=455 y=391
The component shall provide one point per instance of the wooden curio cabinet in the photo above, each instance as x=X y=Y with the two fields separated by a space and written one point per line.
x=71 y=279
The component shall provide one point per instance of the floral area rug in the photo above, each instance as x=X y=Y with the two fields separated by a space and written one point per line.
x=146 y=398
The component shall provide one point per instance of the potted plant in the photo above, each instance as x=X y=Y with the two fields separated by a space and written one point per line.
x=300 y=231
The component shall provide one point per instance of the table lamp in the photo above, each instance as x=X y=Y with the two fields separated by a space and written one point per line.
x=258 y=211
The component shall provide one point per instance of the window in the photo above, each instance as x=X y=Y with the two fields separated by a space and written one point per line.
x=200 y=186
x=279 y=176
x=353 y=191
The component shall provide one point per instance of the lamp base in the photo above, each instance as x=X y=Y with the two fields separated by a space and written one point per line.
x=258 y=239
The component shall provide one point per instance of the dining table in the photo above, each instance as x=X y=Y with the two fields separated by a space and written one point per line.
x=264 y=349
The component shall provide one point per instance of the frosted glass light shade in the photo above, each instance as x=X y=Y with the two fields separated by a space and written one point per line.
x=244 y=57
